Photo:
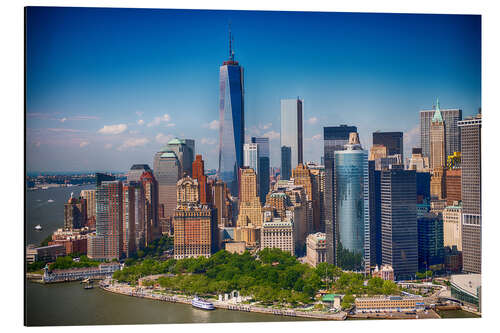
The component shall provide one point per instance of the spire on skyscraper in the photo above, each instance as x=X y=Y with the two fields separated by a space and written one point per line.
x=437 y=115
x=231 y=52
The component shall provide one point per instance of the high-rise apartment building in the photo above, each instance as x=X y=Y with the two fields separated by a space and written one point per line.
x=318 y=182
x=398 y=197
x=231 y=121
x=264 y=165
x=335 y=138
x=167 y=171
x=106 y=244
x=75 y=213
x=195 y=229
x=393 y=141
x=89 y=196
x=251 y=156
x=129 y=236
x=148 y=228
x=470 y=129
x=291 y=134
x=352 y=210
x=286 y=162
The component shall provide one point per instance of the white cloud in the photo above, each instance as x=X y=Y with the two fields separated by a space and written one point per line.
x=84 y=143
x=163 y=139
x=63 y=120
x=113 y=129
x=265 y=126
x=411 y=138
x=272 y=135
x=139 y=113
x=64 y=130
x=134 y=132
x=158 y=120
x=108 y=146
x=133 y=142
x=316 y=137
x=170 y=125
x=312 y=120
x=140 y=122
x=208 y=141
x=213 y=125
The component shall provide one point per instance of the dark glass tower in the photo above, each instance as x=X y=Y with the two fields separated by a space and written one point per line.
x=264 y=165
x=335 y=138
x=232 y=122
x=393 y=141
x=286 y=162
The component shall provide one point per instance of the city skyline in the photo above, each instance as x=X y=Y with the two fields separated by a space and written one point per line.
x=102 y=102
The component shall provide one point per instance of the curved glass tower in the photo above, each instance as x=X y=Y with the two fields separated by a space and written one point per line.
x=351 y=205
x=232 y=124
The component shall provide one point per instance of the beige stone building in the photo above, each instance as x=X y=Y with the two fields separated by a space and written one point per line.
x=277 y=233
x=377 y=151
x=437 y=140
x=250 y=210
x=316 y=248
x=452 y=226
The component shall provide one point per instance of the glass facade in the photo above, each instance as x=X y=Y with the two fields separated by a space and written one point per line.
x=232 y=125
x=264 y=164
x=291 y=129
x=351 y=205
x=286 y=164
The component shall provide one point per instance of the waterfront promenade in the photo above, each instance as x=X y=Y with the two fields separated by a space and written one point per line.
x=125 y=289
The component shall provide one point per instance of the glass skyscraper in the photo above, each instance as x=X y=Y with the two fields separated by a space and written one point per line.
x=352 y=205
x=232 y=122
x=291 y=128
x=264 y=164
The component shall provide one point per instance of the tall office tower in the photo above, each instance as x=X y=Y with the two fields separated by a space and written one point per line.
x=335 y=138
x=89 y=196
x=438 y=185
x=452 y=226
x=264 y=165
x=471 y=193
x=451 y=117
x=286 y=162
x=167 y=171
x=423 y=187
x=437 y=140
x=199 y=175
x=129 y=219
x=136 y=171
x=291 y=129
x=150 y=224
x=250 y=209
x=417 y=161
x=430 y=241
x=352 y=205
x=393 y=141
x=222 y=203
x=302 y=176
x=384 y=163
x=377 y=151
x=195 y=229
x=398 y=195
x=232 y=121
x=453 y=183
x=184 y=150
x=318 y=182
x=106 y=244
x=374 y=209
x=75 y=213
x=251 y=156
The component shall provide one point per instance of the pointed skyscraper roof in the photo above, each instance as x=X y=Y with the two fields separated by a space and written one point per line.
x=437 y=115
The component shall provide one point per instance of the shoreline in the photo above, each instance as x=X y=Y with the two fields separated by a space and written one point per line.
x=126 y=290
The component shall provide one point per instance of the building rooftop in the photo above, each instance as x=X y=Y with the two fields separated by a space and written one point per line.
x=467 y=282
x=170 y=154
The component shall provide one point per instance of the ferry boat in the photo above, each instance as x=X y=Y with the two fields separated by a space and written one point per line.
x=202 y=304
x=38 y=227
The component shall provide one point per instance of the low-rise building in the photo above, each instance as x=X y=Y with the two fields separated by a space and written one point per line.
x=44 y=253
x=235 y=247
x=389 y=304
x=104 y=270
x=467 y=288
x=452 y=226
x=386 y=272
x=316 y=248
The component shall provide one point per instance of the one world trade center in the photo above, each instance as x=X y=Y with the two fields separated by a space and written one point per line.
x=232 y=122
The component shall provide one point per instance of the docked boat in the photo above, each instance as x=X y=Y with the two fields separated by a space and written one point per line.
x=38 y=227
x=202 y=304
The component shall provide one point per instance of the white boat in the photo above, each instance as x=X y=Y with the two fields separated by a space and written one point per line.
x=50 y=200
x=202 y=304
x=38 y=227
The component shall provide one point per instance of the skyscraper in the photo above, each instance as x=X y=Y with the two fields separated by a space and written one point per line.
x=291 y=129
x=302 y=176
x=150 y=225
x=335 y=138
x=437 y=140
x=451 y=117
x=471 y=193
x=393 y=141
x=167 y=171
x=398 y=195
x=75 y=213
x=129 y=219
x=430 y=241
x=136 y=171
x=199 y=175
x=106 y=244
x=352 y=210
x=89 y=196
x=251 y=156
x=264 y=165
x=184 y=150
x=286 y=162
x=250 y=209
x=232 y=121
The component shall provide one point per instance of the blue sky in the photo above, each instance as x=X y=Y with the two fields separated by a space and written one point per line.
x=106 y=88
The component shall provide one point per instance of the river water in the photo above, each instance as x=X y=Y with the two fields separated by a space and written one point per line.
x=70 y=304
